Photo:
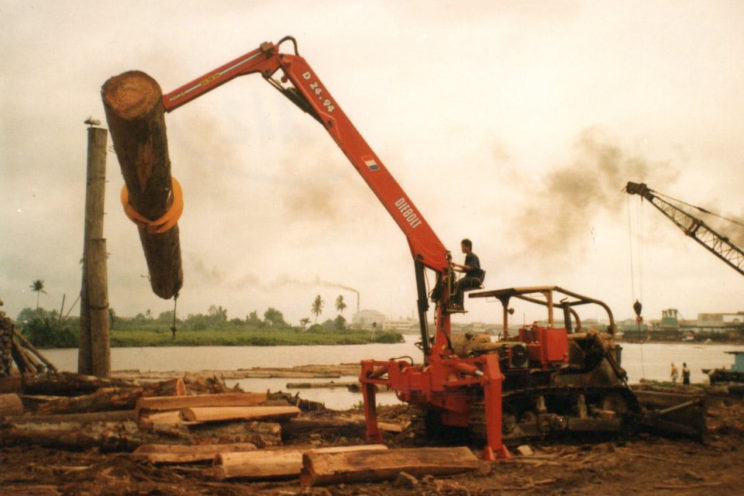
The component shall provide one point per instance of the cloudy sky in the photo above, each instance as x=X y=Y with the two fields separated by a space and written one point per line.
x=515 y=124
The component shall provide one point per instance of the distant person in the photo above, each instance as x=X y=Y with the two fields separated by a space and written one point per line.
x=473 y=277
x=674 y=374
x=685 y=374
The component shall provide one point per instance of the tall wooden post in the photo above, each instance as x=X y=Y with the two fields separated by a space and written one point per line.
x=94 y=355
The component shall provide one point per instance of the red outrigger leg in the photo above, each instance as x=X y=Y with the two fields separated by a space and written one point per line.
x=495 y=449
x=370 y=403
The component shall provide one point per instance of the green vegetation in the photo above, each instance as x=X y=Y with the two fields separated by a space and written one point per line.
x=46 y=330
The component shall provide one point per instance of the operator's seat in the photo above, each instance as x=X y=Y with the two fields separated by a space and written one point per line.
x=481 y=279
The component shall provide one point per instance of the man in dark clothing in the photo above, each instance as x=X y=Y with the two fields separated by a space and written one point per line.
x=685 y=374
x=473 y=277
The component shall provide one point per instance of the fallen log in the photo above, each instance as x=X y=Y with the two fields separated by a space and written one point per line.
x=136 y=120
x=10 y=404
x=216 y=414
x=82 y=418
x=70 y=384
x=334 y=468
x=179 y=453
x=11 y=384
x=273 y=464
x=111 y=398
x=106 y=436
x=322 y=385
x=354 y=425
x=30 y=347
x=262 y=434
x=146 y=405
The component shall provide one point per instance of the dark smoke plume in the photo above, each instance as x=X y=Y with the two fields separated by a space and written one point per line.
x=560 y=212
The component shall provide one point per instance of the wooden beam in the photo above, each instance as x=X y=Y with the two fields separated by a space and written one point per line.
x=334 y=468
x=220 y=413
x=10 y=404
x=147 y=405
x=179 y=453
x=273 y=464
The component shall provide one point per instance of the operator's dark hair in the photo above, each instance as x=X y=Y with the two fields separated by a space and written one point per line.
x=467 y=243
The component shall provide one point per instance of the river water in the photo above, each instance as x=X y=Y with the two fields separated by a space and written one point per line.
x=641 y=361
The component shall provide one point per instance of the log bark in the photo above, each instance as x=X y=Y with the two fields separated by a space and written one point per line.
x=179 y=453
x=148 y=405
x=83 y=418
x=101 y=400
x=136 y=120
x=106 y=436
x=69 y=384
x=10 y=404
x=217 y=414
x=11 y=384
x=273 y=464
x=30 y=347
x=334 y=468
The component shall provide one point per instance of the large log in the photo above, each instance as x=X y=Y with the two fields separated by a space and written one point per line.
x=10 y=404
x=106 y=436
x=148 y=405
x=179 y=453
x=334 y=468
x=217 y=414
x=70 y=384
x=121 y=398
x=136 y=120
x=273 y=464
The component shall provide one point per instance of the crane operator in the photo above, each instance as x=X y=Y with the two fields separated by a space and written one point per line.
x=473 y=277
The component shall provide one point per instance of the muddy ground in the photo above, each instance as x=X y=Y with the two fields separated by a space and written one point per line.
x=641 y=463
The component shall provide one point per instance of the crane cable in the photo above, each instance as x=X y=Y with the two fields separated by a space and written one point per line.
x=637 y=306
x=636 y=297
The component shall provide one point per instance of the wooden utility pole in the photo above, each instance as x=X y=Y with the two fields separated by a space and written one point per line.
x=94 y=354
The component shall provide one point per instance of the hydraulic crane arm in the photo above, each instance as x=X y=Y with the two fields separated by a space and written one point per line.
x=698 y=230
x=301 y=85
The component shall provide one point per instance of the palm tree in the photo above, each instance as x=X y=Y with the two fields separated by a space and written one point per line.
x=317 y=307
x=38 y=287
x=340 y=304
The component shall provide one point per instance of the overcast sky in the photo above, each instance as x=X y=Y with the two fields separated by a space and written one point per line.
x=515 y=124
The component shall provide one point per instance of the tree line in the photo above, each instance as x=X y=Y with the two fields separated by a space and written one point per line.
x=52 y=329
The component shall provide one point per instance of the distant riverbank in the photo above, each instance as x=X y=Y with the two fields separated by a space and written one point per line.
x=250 y=337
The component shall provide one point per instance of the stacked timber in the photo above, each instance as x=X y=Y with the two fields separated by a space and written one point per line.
x=14 y=348
x=6 y=338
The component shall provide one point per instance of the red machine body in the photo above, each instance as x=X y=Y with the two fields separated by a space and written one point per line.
x=452 y=386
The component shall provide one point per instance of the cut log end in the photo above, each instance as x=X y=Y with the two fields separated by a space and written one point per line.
x=131 y=95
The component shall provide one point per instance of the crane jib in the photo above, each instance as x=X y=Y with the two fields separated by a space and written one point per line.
x=408 y=213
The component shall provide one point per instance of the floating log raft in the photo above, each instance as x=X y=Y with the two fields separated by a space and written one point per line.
x=333 y=468
x=136 y=120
